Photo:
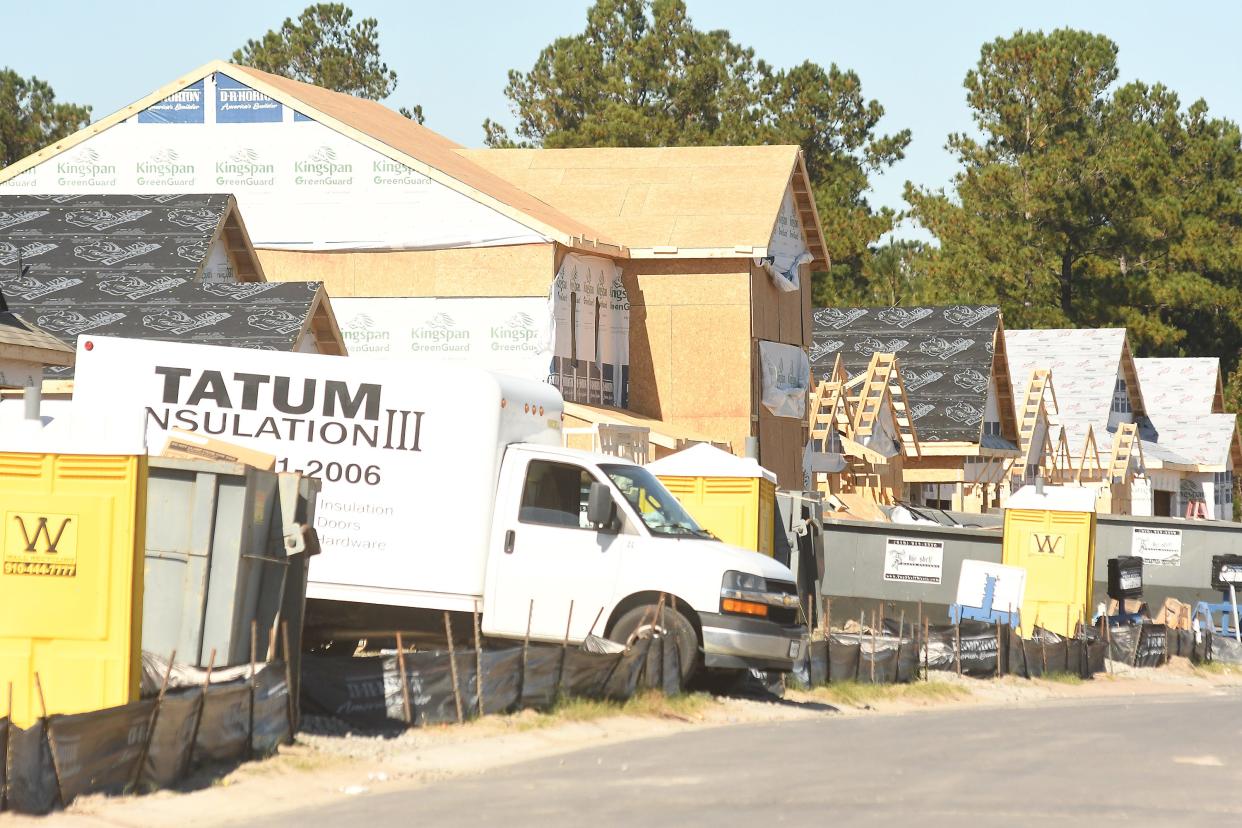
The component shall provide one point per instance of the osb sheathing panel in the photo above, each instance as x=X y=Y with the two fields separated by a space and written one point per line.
x=710 y=362
x=780 y=448
x=650 y=358
x=693 y=282
x=335 y=270
x=780 y=316
x=516 y=270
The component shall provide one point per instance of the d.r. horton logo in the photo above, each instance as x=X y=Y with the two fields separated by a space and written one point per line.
x=84 y=169
x=321 y=168
x=516 y=334
x=440 y=333
x=361 y=335
x=245 y=167
x=165 y=168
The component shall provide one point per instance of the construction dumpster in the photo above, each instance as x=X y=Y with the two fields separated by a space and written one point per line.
x=215 y=560
x=71 y=583
x=1050 y=532
x=734 y=498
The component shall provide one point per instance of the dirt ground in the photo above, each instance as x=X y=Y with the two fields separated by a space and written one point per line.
x=321 y=769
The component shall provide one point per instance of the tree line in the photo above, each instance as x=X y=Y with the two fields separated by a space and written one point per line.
x=1078 y=201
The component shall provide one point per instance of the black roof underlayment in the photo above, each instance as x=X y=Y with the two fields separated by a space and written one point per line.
x=131 y=265
x=100 y=235
x=945 y=353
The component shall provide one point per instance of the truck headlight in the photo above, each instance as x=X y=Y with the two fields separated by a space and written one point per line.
x=744 y=581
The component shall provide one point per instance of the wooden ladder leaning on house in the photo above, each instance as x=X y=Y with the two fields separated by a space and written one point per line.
x=1123 y=450
x=883 y=374
x=1028 y=420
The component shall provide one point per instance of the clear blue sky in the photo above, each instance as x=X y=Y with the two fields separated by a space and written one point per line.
x=452 y=57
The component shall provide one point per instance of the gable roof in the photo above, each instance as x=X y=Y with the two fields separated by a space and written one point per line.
x=23 y=342
x=948 y=355
x=116 y=235
x=1083 y=362
x=1188 y=385
x=269 y=315
x=379 y=128
x=660 y=201
x=1207 y=440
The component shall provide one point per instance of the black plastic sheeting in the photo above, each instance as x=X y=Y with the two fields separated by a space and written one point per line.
x=66 y=756
x=851 y=657
x=367 y=692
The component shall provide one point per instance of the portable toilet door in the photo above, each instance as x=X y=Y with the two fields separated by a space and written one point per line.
x=71 y=583
x=1050 y=532
x=734 y=498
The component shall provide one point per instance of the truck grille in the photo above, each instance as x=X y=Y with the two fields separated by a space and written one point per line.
x=780 y=615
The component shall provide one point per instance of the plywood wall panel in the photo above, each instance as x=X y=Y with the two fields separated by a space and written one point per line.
x=710 y=358
x=516 y=270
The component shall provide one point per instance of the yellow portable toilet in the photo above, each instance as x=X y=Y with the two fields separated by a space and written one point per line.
x=71 y=580
x=1050 y=532
x=732 y=497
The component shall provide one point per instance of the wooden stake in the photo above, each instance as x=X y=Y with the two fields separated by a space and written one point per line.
x=873 y=653
x=405 y=680
x=155 y=717
x=926 y=649
x=530 y=613
x=51 y=740
x=901 y=633
x=448 y=635
x=598 y=616
x=560 y=669
x=998 y=648
x=290 y=702
x=202 y=703
x=478 y=657
x=827 y=619
x=881 y=603
x=858 y=663
x=254 y=651
x=957 y=643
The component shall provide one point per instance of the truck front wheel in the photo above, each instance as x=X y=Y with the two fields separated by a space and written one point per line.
x=642 y=622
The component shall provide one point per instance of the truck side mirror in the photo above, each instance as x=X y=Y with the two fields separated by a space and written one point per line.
x=601 y=510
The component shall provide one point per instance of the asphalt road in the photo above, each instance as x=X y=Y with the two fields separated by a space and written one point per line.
x=1155 y=761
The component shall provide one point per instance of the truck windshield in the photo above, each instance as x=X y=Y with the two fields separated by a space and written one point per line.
x=658 y=509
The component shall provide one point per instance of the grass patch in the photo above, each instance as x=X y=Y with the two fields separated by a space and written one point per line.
x=1218 y=668
x=1062 y=678
x=856 y=694
x=649 y=704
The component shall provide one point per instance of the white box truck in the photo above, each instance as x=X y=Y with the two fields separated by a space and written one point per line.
x=447 y=488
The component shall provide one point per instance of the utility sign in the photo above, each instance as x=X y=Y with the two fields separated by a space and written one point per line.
x=909 y=559
x=1157 y=547
x=40 y=544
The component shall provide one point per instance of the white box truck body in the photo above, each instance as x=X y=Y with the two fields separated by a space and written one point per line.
x=446 y=488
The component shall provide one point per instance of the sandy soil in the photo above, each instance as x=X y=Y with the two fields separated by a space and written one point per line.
x=323 y=769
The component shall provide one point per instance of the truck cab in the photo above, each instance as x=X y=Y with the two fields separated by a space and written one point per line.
x=589 y=544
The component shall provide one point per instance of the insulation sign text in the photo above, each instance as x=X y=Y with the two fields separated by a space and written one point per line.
x=908 y=559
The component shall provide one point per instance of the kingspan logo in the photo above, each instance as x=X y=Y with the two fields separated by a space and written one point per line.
x=387 y=171
x=245 y=167
x=165 y=167
x=86 y=168
x=518 y=333
x=322 y=167
x=439 y=333
x=362 y=335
